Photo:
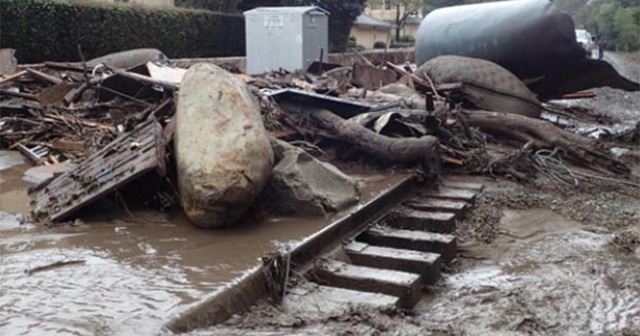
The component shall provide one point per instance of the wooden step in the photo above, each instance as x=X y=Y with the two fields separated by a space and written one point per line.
x=443 y=244
x=405 y=286
x=452 y=183
x=439 y=205
x=426 y=264
x=451 y=194
x=442 y=222
x=310 y=297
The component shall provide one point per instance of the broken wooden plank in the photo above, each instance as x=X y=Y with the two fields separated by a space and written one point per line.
x=81 y=121
x=44 y=77
x=18 y=94
x=68 y=145
x=128 y=157
x=579 y=95
x=13 y=77
x=76 y=67
x=419 y=83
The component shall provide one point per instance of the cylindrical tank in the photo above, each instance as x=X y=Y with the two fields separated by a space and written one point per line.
x=530 y=38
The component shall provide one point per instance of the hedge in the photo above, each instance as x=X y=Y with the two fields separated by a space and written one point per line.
x=52 y=30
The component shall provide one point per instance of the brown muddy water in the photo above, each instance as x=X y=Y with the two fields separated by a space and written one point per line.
x=544 y=275
x=132 y=274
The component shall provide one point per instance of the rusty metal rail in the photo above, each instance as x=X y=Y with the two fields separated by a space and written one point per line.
x=391 y=246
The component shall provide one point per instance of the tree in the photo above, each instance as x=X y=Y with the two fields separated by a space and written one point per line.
x=224 y=6
x=431 y=5
x=626 y=23
x=245 y=5
x=343 y=14
x=404 y=9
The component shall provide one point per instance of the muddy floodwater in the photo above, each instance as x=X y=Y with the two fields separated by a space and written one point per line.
x=126 y=276
x=533 y=259
x=544 y=274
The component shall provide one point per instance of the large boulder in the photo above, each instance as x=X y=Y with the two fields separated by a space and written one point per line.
x=302 y=185
x=223 y=154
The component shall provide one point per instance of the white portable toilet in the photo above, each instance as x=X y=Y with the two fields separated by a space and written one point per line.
x=290 y=38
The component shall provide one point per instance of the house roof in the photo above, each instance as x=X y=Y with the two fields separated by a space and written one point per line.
x=366 y=20
x=414 y=20
x=287 y=10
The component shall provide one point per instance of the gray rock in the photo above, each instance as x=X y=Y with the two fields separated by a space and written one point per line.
x=223 y=154
x=129 y=58
x=302 y=185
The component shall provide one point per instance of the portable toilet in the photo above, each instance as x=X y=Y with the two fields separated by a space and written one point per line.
x=290 y=38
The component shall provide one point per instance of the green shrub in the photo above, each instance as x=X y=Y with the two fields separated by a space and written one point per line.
x=407 y=39
x=52 y=30
x=379 y=45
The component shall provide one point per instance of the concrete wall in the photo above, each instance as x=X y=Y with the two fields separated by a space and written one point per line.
x=239 y=64
x=366 y=36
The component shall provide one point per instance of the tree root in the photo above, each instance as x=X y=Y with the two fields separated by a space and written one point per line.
x=540 y=134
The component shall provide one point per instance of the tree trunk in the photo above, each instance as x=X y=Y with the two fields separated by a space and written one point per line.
x=398 y=23
x=543 y=134
x=406 y=151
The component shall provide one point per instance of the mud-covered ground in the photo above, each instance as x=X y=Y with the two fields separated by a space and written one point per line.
x=541 y=258
x=535 y=259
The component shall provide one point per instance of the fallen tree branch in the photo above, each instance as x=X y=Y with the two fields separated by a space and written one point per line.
x=54 y=265
x=406 y=151
x=543 y=134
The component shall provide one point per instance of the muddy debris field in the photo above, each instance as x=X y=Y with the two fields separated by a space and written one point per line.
x=111 y=241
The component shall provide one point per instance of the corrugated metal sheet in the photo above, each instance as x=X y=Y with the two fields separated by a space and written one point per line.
x=286 y=10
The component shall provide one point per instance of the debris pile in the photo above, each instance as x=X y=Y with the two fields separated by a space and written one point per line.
x=115 y=117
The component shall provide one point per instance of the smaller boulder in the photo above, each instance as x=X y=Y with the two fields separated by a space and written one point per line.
x=302 y=185
x=129 y=58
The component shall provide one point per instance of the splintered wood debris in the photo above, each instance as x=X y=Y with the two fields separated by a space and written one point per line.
x=122 y=161
x=115 y=122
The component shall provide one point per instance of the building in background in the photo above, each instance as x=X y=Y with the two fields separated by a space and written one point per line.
x=411 y=26
x=387 y=10
x=368 y=30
